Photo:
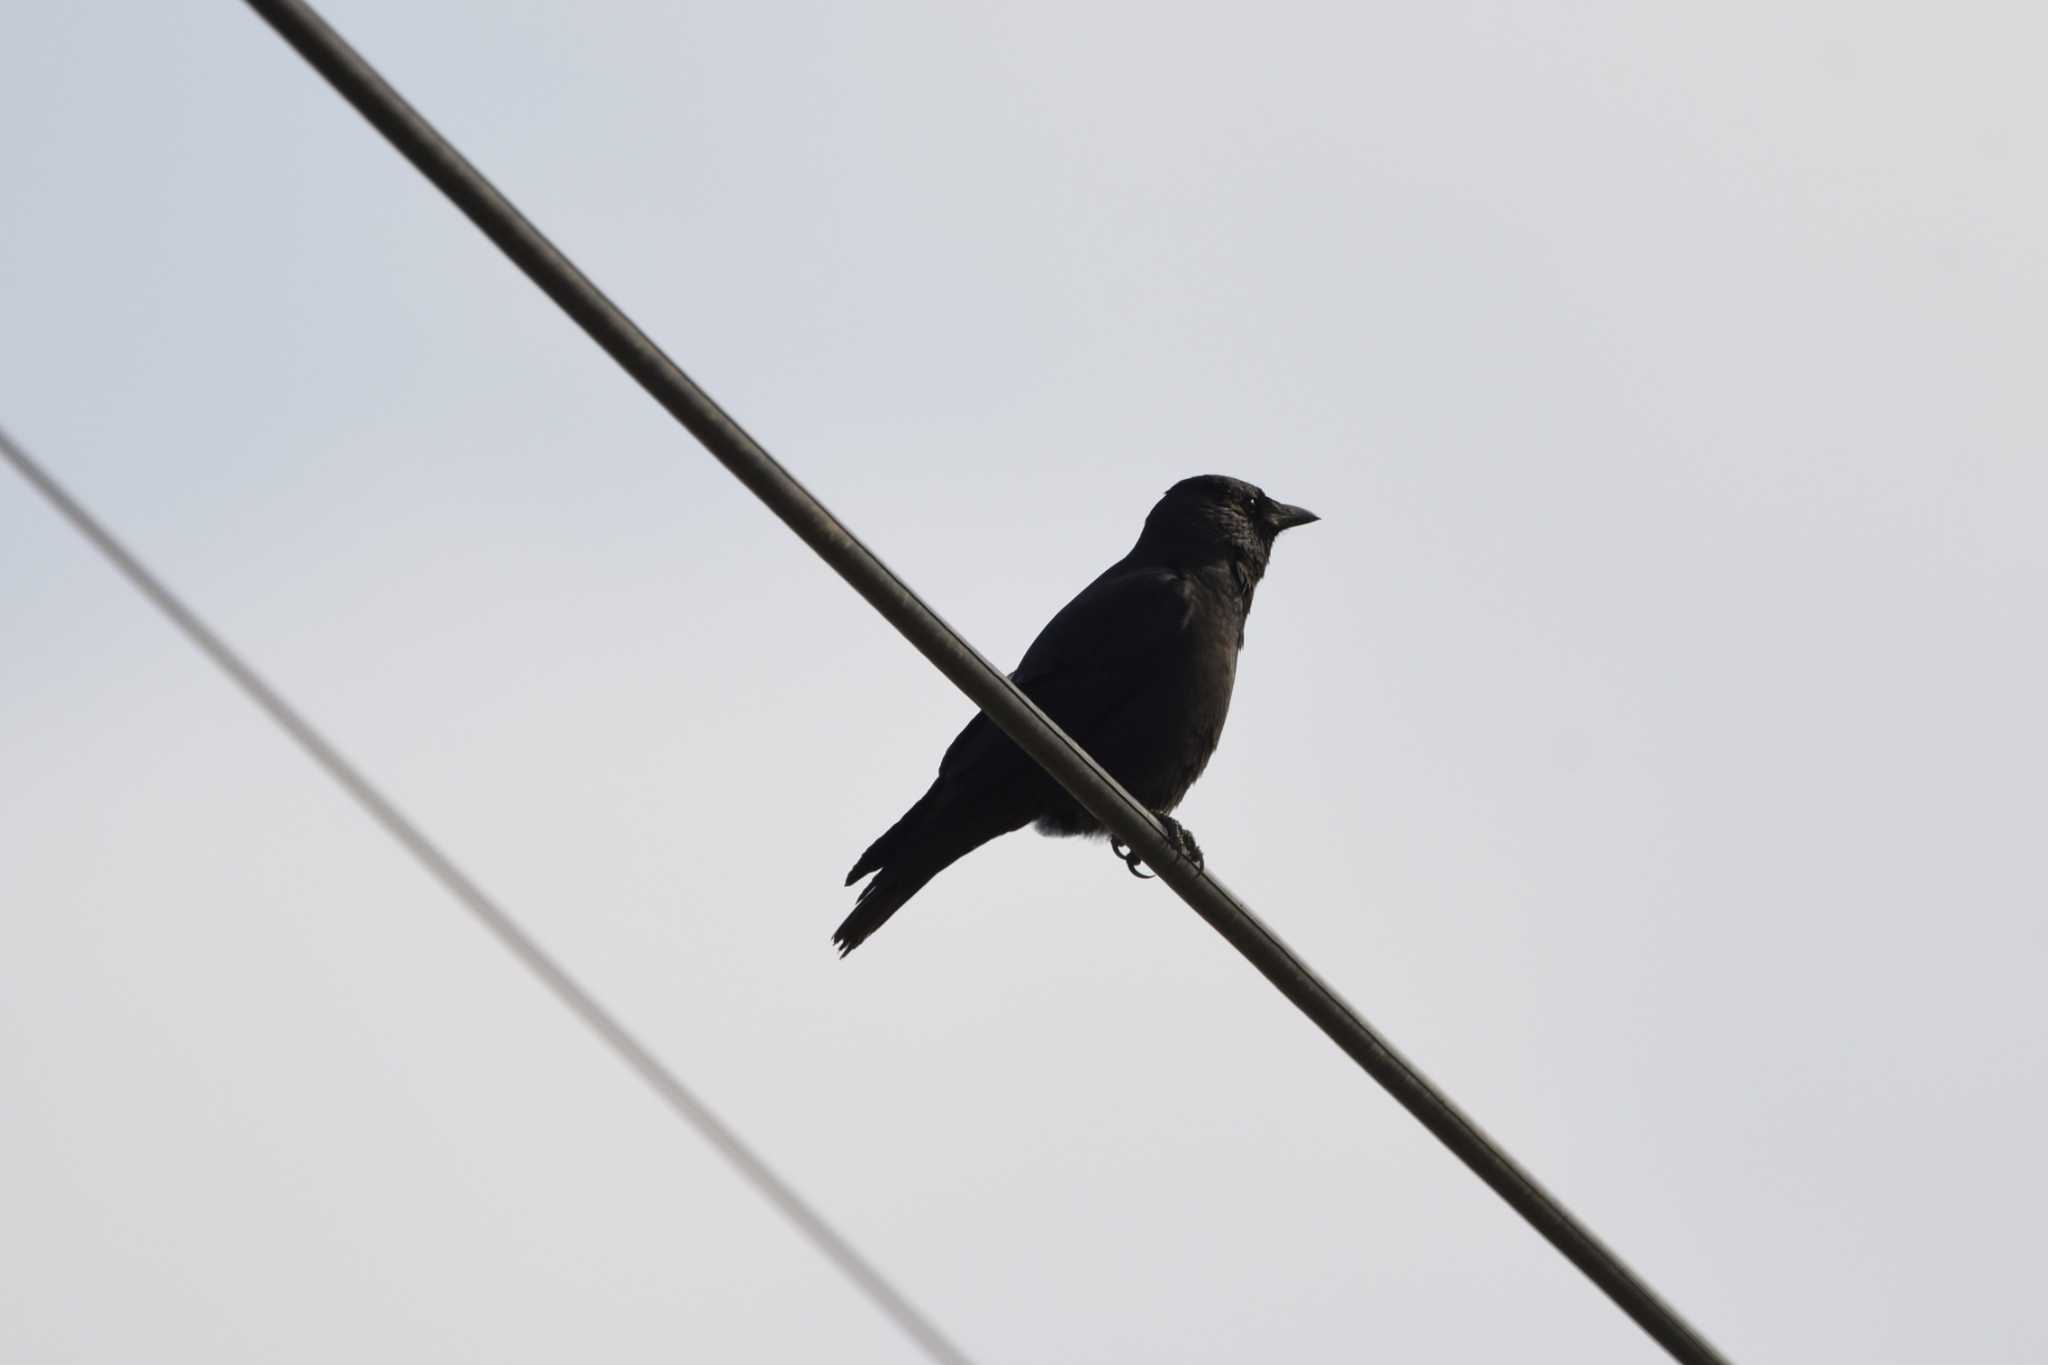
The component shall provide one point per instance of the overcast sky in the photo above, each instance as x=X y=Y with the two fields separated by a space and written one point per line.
x=1650 y=738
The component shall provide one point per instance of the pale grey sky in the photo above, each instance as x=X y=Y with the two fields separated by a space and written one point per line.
x=1649 y=739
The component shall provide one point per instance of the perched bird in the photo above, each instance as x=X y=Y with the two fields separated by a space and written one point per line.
x=1138 y=669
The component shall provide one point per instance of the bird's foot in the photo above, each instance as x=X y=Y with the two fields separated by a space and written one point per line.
x=1176 y=834
x=1183 y=841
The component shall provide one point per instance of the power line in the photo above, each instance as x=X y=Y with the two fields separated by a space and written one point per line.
x=1009 y=708
x=501 y=926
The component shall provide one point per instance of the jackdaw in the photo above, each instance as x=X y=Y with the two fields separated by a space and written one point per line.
x=1138 y=669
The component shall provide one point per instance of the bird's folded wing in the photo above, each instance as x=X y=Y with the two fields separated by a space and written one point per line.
x=1089 y=660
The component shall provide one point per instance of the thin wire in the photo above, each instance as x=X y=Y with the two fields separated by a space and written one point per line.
x=986 y=686
x=501 y=925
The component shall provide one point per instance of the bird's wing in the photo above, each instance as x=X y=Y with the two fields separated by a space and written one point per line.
x=1087 y=662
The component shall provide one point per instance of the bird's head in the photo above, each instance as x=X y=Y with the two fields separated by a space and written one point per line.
x=1214 y=516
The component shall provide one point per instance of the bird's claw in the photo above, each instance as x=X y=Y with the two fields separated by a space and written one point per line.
x=1176 y=833
x=1130 y=857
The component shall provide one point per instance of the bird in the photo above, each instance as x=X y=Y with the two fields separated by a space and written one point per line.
x=1138 y=669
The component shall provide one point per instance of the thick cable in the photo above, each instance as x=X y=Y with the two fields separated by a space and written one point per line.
x=986 y=686
x=501 y=926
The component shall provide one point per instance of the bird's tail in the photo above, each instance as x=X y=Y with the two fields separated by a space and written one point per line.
x=883 y=897
x=914 y=850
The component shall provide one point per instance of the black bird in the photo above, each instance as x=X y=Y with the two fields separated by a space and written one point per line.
x=1138 y=669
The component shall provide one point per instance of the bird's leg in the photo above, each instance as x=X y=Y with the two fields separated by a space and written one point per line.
x=1176 y=834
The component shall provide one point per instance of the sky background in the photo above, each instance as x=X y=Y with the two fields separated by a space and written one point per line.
x=1650 y=739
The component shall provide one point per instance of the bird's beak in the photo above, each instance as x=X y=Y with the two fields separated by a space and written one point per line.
x=1285 y=516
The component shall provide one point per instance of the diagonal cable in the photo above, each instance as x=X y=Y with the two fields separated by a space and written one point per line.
x=501 y=926
x=1009 y=708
